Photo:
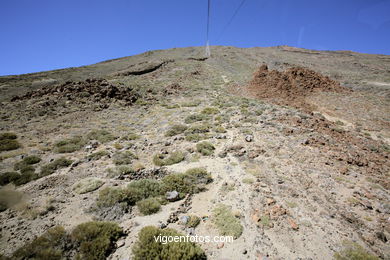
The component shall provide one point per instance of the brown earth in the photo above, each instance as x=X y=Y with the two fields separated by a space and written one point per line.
x=291 y=86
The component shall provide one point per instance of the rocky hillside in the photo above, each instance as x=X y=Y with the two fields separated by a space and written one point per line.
x=284 y=149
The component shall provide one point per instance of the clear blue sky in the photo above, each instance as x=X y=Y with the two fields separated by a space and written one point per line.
x=37 y=35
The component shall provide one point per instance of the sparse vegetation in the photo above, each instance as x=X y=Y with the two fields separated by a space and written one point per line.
x=48 y=246
x=148 y=206
x=194 y=118
x=110 y=196
x=69 y=145
x=225 y=221
x=30 y=160
x=353 y=251
x=196 y=137
x=97 y=155
x=193 y=221
x=125 y=157
x=210 y=111
x=148 y=248
x=198 y=129
x=95 y=240
x=192 y=181
x=164 y=159
x=25 y=164
x=8 y=136
x=265 y=221
x=91 y=241
x=194 y=103
x=219 y=129
x=142 y=189
x=50 y=168
x=8 y=177
x=227 y=187
x=176 y=130
x=205 y=148
x=291 y=204
x=130 y=137
x=124 y=170
x=8 y=142
x=248 y=180
x=87 y=185
x=151 y=192
x=102 y=136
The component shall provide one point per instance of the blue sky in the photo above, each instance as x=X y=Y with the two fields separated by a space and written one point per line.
x=38 y=35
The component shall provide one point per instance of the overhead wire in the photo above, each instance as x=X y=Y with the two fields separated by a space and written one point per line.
x=231 y=19
x=208 y=29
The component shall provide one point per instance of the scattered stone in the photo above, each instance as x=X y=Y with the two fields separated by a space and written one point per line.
x=184 y=219
x=172 y=195
x=256 y=217
x=120 y=243
x=293 y=225
x=249 y=138
x=220 y=136
x=220 y=245
x=270 y=201
x=276 y=211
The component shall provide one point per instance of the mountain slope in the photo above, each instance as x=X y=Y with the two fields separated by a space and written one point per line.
x=297 y=179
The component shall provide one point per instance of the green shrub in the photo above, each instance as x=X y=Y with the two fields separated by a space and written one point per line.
x=163 y=159
x=97 y=155
x=48 y=246
x=87 y=185
x=130 y=137
x=196 y=137
x=142 y=189
x=8 y=136
x=210 y=111
x=69 y=145
x=198 y=129
x=95 y=239
x=353 y=251
x=55 y=165
x=27 y=169
x=192 y=181
x=25 y=178
x=193 y=221
x=8 y=142
x=24 y=166
x=205 y=148
x=16 y=178
x=248 y=181
x=148 y=248
x=109 y=196
x=176 y=130
x=222 y=118
x=8 y=177
x=125 y=157
x=219 y=129
x=124 y=170
x=30 y=160
x=226 y=223
x=102 y=136
x=193 y=103
x=91 y=241
x=148 y=206
x=194 y=118
x=8 y=145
